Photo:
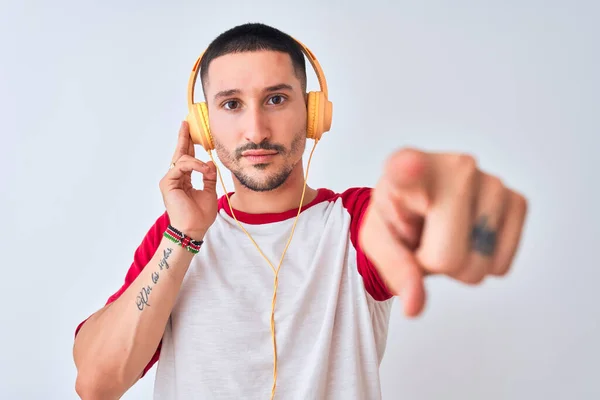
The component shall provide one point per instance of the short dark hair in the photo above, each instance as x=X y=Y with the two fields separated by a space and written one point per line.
x=254 y=37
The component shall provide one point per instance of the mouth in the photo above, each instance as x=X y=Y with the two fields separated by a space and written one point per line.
x=259 y=156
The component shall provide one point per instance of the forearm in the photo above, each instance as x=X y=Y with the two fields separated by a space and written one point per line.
x=114 y=345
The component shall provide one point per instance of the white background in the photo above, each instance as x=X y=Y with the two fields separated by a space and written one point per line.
x=91 y=97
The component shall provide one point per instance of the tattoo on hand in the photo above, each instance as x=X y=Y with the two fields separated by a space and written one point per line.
x=143 y=297
x=484 y=239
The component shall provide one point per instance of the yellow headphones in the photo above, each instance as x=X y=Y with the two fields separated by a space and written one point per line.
x=318 y=122
x=320 y=109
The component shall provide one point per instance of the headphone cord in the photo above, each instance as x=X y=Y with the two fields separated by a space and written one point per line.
x=275 y=271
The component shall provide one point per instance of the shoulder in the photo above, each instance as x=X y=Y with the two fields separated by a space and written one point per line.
x=354 y=199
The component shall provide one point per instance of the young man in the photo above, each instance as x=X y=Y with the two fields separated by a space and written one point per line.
x=199 y=296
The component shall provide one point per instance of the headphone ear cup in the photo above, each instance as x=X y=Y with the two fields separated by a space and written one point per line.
x=320 y=112
x=206 y=127
x=199 y=126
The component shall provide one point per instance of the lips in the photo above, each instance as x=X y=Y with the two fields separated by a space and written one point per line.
x=259 y=156
x=258 y=153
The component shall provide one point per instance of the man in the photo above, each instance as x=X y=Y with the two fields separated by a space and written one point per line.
x=198 y=293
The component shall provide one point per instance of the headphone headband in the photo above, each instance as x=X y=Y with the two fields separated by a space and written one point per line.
x=311 y=58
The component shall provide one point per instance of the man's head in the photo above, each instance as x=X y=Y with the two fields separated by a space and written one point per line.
x=254 y=82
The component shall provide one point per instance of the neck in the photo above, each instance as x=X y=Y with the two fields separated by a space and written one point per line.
x=284 y=198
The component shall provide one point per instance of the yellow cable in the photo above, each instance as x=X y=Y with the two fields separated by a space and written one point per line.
x=276 y=271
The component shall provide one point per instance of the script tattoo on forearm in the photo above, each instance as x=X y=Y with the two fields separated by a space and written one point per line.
x=484 y=238
x=143 y=297
x=163 y=262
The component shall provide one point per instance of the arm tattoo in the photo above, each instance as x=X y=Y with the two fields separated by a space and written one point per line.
x=163 y=262
x=484 y=238
x=142 y=298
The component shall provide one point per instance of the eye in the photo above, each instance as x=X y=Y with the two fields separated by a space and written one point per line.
x=231 y=105
x=277 y=99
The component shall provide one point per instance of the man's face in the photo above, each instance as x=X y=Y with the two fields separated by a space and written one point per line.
x=257 y=116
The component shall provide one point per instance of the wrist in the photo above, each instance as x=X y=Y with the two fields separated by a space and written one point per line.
x=190 y=240
x=194 y=235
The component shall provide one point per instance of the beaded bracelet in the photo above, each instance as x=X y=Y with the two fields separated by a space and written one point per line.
x=183 y=240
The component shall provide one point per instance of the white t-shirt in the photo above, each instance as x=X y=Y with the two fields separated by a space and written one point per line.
x=331 y=315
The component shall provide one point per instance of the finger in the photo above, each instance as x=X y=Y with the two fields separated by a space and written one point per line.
x=406 y=225
x=510 y=234
x=409 y=172
x=490 y=203
x=394 y=262
x=183 y=141
x=185 y=165
x=209 y=178
x=446 y=238
x=191 y=151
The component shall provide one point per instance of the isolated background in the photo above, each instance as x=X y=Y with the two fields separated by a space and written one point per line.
x=91 y=97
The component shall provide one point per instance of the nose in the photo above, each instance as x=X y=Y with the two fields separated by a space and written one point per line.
x=256 y=127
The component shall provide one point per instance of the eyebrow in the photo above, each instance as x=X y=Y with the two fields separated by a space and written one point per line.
x=231 y=92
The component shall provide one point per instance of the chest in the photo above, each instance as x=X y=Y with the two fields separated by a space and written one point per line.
x=220 y=333
x=227 y=295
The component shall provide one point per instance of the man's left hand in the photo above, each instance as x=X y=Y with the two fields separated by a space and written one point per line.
x=435 y=213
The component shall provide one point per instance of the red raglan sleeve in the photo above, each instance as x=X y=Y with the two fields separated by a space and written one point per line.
x=356 y=200
x=142 y=256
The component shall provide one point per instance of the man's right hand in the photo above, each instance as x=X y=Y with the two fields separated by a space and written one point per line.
x=190 y=210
